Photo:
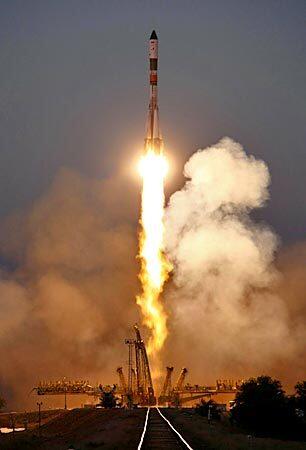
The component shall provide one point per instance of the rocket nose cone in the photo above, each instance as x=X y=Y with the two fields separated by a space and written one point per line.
x=153 y=35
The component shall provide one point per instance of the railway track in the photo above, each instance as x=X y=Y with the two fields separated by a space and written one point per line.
x=159 y=433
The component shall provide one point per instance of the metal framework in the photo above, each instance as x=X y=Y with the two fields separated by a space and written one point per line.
x=144 y=384
x=140 y=386
x=138 y=389
x=183 y=393
x=66 y=386
x=181 y=379
x=167 y=386
x=122 y=382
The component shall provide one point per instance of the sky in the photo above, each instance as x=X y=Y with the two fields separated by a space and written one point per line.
x=74 y=91
x=73 y=105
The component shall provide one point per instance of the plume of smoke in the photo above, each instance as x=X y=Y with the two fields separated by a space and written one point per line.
x=227 y=317
x=69 y=279
x=67 y=296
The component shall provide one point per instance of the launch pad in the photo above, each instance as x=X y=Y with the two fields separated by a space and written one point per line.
x=138 y=389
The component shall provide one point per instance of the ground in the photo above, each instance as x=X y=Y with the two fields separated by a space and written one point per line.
x=30 y=418
x=82 y=429
x=221 y=436
x=117 y=429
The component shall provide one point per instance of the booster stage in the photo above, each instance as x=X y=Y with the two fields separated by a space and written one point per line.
x=153 y=138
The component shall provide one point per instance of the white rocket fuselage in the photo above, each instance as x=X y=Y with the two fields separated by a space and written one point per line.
x=153 y=139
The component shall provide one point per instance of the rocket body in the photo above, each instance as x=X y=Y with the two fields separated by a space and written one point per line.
x=153 y=139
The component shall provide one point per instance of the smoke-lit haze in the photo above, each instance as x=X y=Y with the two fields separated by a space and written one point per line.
x=229 y=315
x=67 y=297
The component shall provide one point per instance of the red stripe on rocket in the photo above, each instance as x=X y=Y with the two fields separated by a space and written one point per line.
x=153 y=138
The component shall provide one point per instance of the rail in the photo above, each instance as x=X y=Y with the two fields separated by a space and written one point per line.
x=158 y=432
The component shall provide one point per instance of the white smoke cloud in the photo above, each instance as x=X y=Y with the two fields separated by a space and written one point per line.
x=225 y=312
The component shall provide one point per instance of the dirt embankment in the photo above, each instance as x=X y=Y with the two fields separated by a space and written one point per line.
x=29 y=419
x=220 y=436
x=82 y=429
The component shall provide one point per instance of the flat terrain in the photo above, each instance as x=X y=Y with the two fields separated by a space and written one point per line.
x=220 y=436
x=82 y=429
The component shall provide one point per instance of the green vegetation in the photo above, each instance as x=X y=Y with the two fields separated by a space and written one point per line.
x=300 y=397
x=262 y=407
x=263 y=418
x=208 y=409
x=108 y=399
x=221 y=435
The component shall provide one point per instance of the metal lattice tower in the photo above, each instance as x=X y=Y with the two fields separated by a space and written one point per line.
x=144 y=384
x=181 y=379
x=168 y=382
x=122 y=382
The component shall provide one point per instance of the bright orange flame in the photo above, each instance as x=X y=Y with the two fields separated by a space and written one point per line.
x=154 y=265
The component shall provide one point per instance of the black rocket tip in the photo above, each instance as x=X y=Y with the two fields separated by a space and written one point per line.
x=153 y=35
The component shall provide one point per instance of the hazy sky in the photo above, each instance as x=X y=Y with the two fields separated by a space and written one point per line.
x=74 y=90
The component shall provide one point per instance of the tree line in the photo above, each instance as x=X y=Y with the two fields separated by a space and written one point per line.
x=262 y=407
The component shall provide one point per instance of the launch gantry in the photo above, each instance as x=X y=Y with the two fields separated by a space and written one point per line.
x=65 y=386
x=167 y=386
x=138 y=389
x=181 y=379
x=140 y=386
x=122 y=382
x=182 y=393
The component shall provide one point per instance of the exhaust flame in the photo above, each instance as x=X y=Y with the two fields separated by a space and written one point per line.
x=154 y=265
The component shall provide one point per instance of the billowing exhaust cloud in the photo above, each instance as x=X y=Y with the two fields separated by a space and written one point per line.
x=228 y=318
x=69 y=279
x=67 y=298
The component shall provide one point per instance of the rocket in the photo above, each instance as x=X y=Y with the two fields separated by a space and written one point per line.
x=153 y=138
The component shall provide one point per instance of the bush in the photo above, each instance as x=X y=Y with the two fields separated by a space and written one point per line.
x=300 y=390
x=261 y=406
x=203 y=408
